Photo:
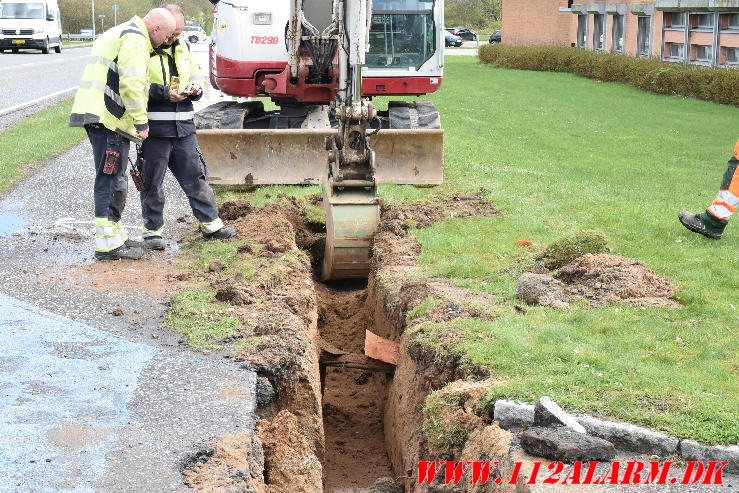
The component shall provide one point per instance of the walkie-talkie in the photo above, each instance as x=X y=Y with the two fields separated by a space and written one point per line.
x=136 y=168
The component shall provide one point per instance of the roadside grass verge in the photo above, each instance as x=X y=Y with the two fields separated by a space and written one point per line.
x=556 y=154
x=34 y=140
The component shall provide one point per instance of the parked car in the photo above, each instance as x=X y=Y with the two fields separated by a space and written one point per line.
x=495 y=37
x=452 y=40
x=463 y=33
x=194 y=33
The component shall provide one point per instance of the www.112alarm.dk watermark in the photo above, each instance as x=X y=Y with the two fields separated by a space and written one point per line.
x=578 y=473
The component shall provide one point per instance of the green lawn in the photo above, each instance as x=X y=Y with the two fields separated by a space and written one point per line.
x=35 y=139
x=557 y=154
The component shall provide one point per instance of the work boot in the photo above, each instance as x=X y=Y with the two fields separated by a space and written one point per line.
x=134 y=243
x=130 y=253
x=695 y=224
x=154 y=243
x=222 y=234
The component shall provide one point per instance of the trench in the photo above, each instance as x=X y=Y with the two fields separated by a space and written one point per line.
x=356 y=453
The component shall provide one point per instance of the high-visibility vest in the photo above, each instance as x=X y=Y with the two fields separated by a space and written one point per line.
x=166 y=118
x=187 y=68
x=114 y=88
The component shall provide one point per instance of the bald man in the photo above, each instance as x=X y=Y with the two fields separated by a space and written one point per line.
x=111 y=105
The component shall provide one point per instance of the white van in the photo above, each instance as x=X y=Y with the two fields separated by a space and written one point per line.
x=33 y=25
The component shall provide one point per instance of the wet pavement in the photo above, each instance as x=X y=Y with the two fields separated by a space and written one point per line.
x=96 y=399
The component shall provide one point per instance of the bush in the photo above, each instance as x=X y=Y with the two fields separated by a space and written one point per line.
x=676 y=79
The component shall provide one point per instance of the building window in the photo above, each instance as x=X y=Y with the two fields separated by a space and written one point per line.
x=675 y=19
x=582 y=31
x=599 y=34
x=702 y=21
x=731 y=55
x=703 y=53
x=617 y=36
x=675 y=51
x=729 y=22
x=644 y=35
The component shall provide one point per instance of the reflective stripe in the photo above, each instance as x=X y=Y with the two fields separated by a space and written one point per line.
x=729 y=198
x=212 y=226
x=105 y=62
x=108 y=244
x=93 y=84
x=148 y=233
x=720 y=212
x=171 y=115
x=132 y=72
x=130 y=104
x=106 y=232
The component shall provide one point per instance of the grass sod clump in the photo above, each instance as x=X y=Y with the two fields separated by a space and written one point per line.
x=565 y=250
x=558 y=154
x=35 y=139
x=207 y=323
x=439 y=424
x=678 y=79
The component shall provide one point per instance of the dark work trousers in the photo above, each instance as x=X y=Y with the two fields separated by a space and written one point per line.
x=182 y=156
x=110 y=190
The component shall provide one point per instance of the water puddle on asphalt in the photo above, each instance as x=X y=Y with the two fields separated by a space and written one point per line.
x=10 y=224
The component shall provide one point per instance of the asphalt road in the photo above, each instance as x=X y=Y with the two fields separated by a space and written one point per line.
x=28 y=75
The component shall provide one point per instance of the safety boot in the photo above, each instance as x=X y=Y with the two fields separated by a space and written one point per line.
x=134 y=243
x=695 y=224
x=123 y=251
x=222 y=234
x=154 y=243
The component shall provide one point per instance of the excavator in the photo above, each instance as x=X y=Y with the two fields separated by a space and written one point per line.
x=321 y=63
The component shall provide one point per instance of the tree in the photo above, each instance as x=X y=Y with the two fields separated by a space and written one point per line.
x=77 y=14
x=475 y=14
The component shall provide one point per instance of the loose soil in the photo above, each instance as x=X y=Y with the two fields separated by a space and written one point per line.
x=604 y=278
x=154 y=276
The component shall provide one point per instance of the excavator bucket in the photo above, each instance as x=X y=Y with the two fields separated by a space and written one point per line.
x=298 y=156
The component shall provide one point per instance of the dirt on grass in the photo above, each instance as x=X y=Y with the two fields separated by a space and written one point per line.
x=605 y=278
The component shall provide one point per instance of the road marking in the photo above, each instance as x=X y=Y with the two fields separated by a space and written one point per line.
x=19 y=107
x=39 y=64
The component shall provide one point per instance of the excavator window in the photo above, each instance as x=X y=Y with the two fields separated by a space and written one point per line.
x=402 y=34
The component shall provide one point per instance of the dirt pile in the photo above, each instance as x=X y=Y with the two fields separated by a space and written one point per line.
x=235 y=464
x=289 y=464
x=605 y=278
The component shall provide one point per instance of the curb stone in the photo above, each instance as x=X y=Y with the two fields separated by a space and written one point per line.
x=692 y=450
x=625 y=436
x=548 y=413
x=630 y=437
x=512 y=415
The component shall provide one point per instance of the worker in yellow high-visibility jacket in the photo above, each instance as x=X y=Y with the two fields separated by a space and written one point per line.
x=111 y=105
x=712 y=222
x=176 y=80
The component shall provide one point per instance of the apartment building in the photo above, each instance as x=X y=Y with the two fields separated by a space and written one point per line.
x=704 y=32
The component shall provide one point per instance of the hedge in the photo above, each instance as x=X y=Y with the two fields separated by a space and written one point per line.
x=718 y=85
